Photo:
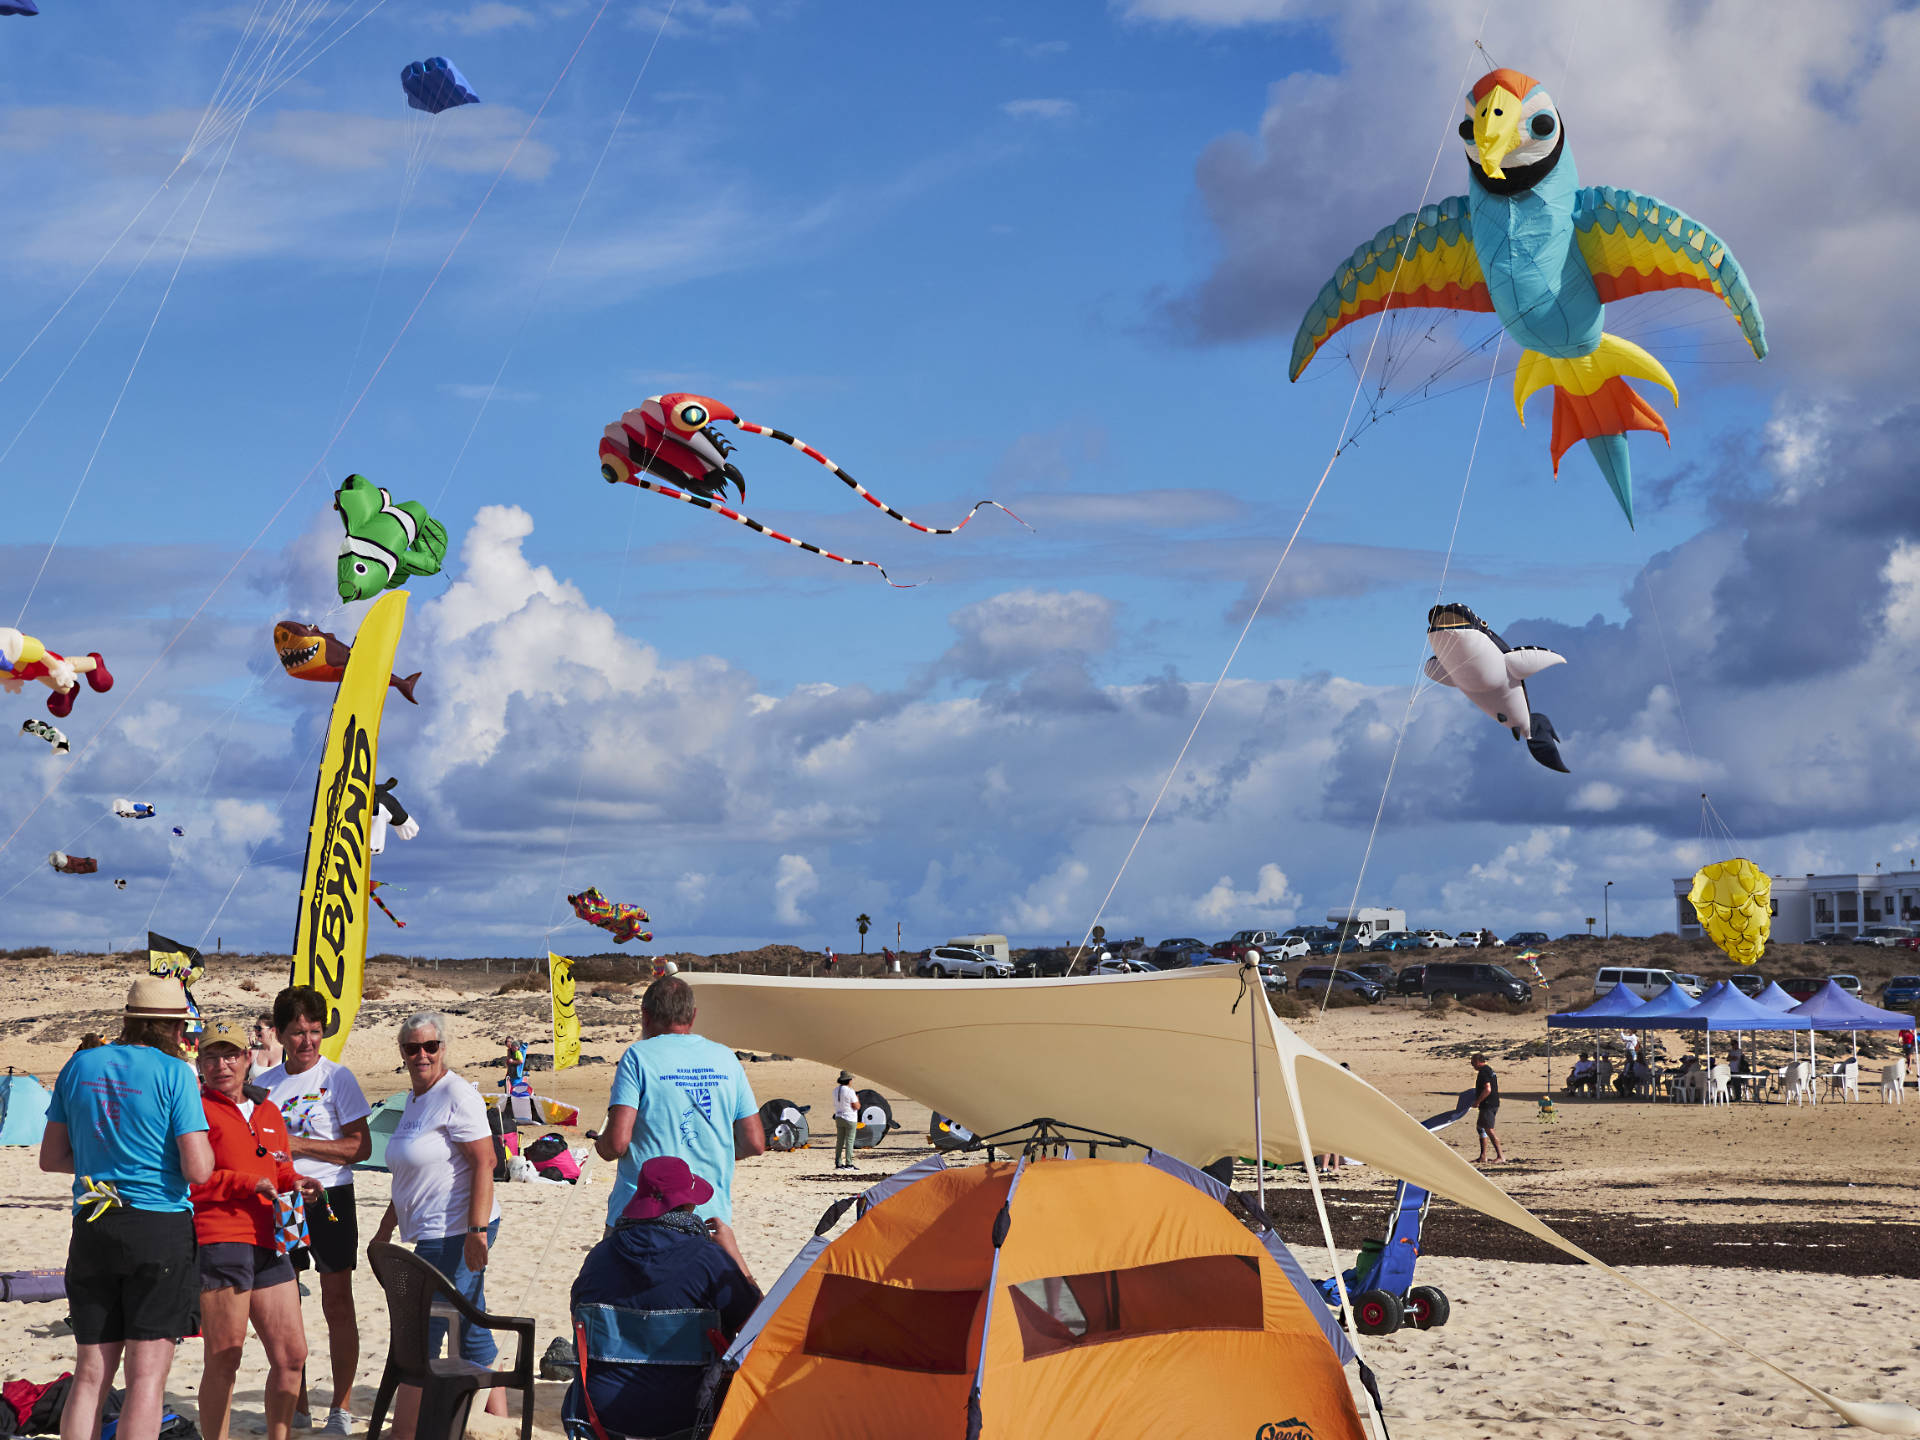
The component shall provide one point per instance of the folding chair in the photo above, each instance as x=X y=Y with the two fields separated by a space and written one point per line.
x=611 y=1335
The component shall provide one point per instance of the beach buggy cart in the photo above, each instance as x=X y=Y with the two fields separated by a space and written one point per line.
x=1380 y=1284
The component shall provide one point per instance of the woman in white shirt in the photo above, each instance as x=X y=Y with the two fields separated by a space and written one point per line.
x=441 y=1155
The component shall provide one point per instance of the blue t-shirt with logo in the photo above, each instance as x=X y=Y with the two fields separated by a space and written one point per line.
x=688 y=1092
x=125 y=1106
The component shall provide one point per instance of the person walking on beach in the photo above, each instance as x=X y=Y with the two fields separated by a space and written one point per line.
x=126 y=1122
x=265 y=1051
x=1486 y=1098
x=846 y=1120
x=678 y=1093
x=244 y=1274
x=441 y=1156
x=326 y=1114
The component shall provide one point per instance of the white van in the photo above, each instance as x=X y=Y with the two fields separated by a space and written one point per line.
x=994 y=945
x=1647 y=984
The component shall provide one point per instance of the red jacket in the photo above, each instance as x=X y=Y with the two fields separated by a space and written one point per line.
x=227 y=1208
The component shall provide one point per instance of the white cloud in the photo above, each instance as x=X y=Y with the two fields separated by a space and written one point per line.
x=1272 y=901
x=1598 y=797
x=793 y=882
x=490 y=17
x=1040 y=109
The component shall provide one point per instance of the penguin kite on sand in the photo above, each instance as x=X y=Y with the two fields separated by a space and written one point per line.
x=1493 y=674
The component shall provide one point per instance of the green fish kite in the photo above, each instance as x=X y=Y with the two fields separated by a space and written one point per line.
x=386 y=544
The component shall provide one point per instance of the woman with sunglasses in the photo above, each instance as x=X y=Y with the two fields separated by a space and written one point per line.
x=441 y=1156
x=244 y=1274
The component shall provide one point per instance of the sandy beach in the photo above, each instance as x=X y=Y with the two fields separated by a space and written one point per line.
x=1791 y=1228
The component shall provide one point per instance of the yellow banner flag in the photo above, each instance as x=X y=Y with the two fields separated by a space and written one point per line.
x=330 y=933
x=566 y=1021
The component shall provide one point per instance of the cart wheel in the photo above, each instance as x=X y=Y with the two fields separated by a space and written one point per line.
x=1427 y=1306
x=1378 y=1313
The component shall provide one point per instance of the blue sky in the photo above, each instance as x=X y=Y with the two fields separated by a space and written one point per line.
x=966 y=254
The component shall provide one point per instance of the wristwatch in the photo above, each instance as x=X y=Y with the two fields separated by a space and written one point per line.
x=476 y=1229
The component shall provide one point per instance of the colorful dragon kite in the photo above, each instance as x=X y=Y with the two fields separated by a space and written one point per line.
x=1528 y=243
x=674 y=438
x=620 y=920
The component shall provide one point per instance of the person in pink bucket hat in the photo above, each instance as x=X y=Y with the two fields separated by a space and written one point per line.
x=661 y=1258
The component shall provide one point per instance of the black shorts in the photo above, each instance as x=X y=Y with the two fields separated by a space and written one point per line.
x=232 y=1264
x=1488 y=1114
x=336 y=1242
x=133 y=1275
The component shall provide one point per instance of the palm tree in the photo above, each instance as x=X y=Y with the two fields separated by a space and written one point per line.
x=863 y=921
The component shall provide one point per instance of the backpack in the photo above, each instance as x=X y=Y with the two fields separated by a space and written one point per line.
x=552 y=1159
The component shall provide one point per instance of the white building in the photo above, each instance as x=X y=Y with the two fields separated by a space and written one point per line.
x=1810 y=905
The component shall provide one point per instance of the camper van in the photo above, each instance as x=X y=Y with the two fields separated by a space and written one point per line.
x=1367 y=923
x=994 y=945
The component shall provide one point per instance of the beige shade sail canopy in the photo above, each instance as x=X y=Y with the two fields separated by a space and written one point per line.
x=1163 y=1059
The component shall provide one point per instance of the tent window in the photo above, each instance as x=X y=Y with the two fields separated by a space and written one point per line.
x=891 y=1325
x=1068 y=1312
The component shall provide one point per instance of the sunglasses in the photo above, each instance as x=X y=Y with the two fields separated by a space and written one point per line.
x=414 y=1047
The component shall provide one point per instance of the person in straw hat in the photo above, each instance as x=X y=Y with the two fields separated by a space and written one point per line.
x=245 y=1273
x=126 y=1122
x=846 y=1120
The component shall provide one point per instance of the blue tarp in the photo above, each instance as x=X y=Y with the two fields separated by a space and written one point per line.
x=23 y=1109
x=1606 y=1013
x=1725 y=1008
x=1832 y=1008
x=1774 y=998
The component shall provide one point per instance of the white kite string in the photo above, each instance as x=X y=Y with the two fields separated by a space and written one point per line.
x=1254 y=613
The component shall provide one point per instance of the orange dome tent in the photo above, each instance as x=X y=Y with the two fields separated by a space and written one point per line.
x=1122 y=1300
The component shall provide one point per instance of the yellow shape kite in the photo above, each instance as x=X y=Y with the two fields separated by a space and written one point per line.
x=1733 y=900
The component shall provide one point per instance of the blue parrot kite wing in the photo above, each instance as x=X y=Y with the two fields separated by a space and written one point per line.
x=18 y=7
x=436 y=84
x=1634 y=244
x=1424 y=260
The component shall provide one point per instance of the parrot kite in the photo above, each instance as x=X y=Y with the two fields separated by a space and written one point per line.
x=1545 y=255
x=386 y=544
x=1468 y=656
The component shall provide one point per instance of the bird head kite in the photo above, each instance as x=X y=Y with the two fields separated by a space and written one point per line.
x=1545 y=255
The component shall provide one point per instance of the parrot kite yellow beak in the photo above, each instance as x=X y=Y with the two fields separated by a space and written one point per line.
x=1496 y=129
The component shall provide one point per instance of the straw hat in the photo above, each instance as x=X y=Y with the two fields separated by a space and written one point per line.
x=224 y=1035
x=157 y=997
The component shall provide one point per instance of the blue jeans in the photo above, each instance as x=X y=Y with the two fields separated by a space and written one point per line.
x=448 y=1255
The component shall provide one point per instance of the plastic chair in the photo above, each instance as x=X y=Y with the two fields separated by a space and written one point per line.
x=1717 y=1093
x=1893 y=1083
x=1796 y=1083
x=447 y=1387
x=1847 y=1080
x=1602 y=1078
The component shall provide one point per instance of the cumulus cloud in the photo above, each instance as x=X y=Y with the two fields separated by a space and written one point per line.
x=1271 y=901
x=793 y=882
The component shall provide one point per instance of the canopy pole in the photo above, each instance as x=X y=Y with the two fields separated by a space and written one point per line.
x=1250 y=979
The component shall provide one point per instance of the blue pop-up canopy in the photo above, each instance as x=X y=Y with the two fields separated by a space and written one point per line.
x=1606 y=1013
x=1724 y=1008
x=1774 y=998
x=1669 y=1002
x=1831 y=1008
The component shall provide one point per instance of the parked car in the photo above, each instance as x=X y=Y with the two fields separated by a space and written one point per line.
x=1378 y=970
x=1267 y=942
x=1352 y=945
x=1411 y=981
x=1912 y=942
x=1327 y=977
x=1692 y=984
x=1848 y=983
x=1461 y=978
x=1644 y=983
x=1801 y=987
x=1748 y=982
x=1273 y=978
x=1884 y=935
x=1314 y=934
x=1110 y=964
x=1827 y=940
x=1435 y=940
x=1037 y=964
x=1468 y=939
x=1524 y=938
x=1394 y=943
x=1902 y=992
x=1172 y=954
x=963 y=961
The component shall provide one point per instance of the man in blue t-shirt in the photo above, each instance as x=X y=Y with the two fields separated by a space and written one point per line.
x=126 y=1122
x=676 y=1093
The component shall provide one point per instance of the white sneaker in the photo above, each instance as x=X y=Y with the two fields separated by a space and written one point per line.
x=301 y=1420
x=339 y=1422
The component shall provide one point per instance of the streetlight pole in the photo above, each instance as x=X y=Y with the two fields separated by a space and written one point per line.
x=1606 y=897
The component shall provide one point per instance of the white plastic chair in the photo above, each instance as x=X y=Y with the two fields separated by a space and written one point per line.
x=1893 y=1083
x=1602 y=1078
x=1796 y=1083
x=1717 y=1086
x=1850 y=1081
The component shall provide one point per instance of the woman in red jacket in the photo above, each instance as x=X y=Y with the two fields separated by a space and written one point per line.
x=243 y=1275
